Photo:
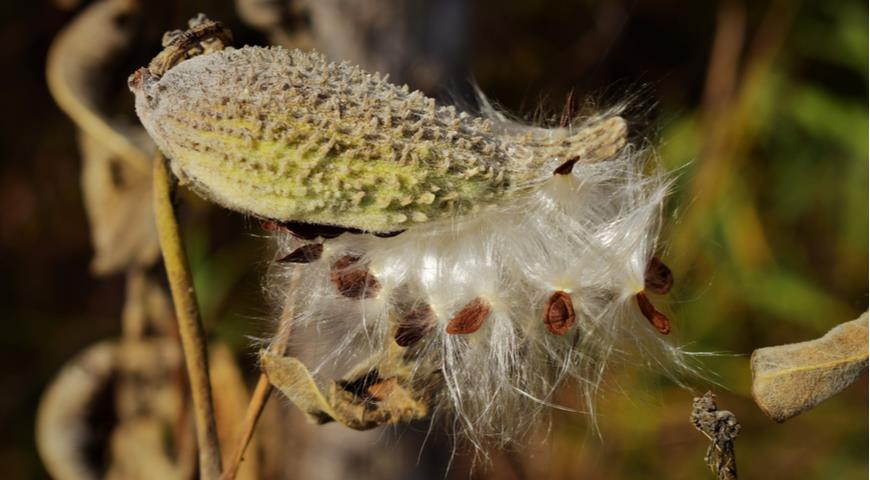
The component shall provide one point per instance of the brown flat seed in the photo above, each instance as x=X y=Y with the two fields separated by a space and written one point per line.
x=415 y=325
x=304 y=254
x=353 y=282
x=559 y=313
x=470 y=318
x=655 y=317
x=658 y=277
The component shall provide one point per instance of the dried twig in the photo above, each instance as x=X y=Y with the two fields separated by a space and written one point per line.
x=189 y=323
x=262 y=392
x=721 y=427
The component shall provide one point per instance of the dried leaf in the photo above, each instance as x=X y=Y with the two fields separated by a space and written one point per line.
x=117 y=201
x=116 y=177
x=77 y=62
x=62 y=420
x=292 y=378
x=791 y=379
x=376 y=402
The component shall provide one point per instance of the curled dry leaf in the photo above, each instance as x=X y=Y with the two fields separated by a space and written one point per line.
x=62 y=420
x=377 y=401
x=117 y=200
x=76 y=66
x=116 y=177
x=790 y=379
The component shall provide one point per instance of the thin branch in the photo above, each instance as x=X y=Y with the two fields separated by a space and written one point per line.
x=189 y=323
x=262 y=391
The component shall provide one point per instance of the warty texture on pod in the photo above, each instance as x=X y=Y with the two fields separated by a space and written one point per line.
x=287 y=136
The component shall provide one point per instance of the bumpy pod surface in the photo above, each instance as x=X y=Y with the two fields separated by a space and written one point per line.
x=288 y=136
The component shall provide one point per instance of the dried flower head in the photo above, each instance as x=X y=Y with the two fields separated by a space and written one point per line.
x=524 y=251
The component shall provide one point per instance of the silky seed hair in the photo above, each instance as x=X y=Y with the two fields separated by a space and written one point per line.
x=498 y=259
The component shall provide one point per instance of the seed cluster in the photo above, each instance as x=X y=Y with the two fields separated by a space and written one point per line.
x=352 y=280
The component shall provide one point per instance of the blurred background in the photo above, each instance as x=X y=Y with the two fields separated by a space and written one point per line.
x=759 y=108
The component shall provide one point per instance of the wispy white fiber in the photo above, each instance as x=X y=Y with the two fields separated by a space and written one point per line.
x=589 y=234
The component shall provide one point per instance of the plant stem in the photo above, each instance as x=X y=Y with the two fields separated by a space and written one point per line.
x=255 y=408
x=190 y=327
x=263 y=390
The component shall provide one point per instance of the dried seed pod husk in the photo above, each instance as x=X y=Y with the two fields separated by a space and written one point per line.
x=377 y=401
x=790 y=379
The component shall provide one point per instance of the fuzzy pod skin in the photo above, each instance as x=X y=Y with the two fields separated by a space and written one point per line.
x=287 y=136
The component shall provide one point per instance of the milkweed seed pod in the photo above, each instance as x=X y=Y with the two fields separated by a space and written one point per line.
x=287 y=136
x=518 y=256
